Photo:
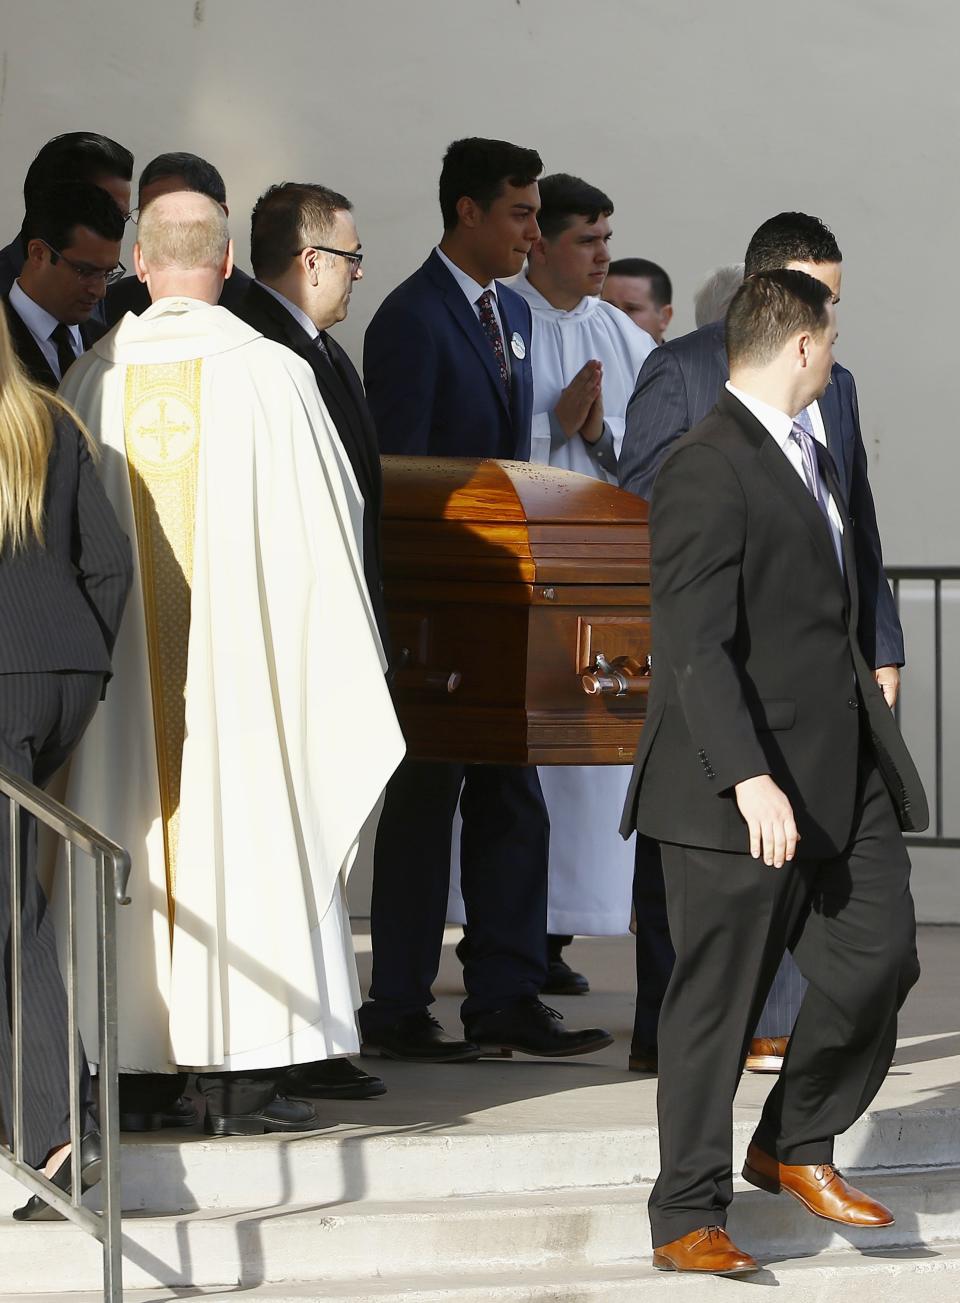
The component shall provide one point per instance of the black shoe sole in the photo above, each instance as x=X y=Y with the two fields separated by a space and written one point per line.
x=565 y=988
x=506 y=1049
x=248 y=1126
x=370 y=1051
x=335 y=1092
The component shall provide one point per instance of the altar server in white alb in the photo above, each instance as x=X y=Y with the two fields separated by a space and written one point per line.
x=248 y=733
x=585 y=355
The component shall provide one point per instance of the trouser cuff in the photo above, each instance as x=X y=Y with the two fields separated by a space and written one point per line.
x=814 y=1151
x=667 y=1227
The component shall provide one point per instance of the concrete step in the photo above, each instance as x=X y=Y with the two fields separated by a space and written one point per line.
x=904 y=1276
x=567 y=1232
x=162 y=1174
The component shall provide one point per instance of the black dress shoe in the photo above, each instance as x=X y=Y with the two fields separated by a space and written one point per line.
x=331 y=1079
x=643 y=1060
x=181 y=1113
x=417 y=1038
x=37 y=1209
x=563 y=980
x=280 y=1114
x=531 y=1028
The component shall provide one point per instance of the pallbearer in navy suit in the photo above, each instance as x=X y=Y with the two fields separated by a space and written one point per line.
x=677 y=386
x=447 y=372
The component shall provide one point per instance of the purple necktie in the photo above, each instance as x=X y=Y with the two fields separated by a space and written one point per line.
x=488 y=321
x=808 y=453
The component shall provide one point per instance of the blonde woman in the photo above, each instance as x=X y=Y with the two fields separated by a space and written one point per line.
x=65 y=568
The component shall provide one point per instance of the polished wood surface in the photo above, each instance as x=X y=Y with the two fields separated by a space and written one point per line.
x=503 y=582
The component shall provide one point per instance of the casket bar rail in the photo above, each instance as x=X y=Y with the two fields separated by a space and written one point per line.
x=111 y=865
x=933 y=579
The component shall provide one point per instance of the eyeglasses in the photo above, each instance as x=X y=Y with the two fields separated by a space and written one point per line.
x=353 y=257
x=85 y=270
x=133 y=216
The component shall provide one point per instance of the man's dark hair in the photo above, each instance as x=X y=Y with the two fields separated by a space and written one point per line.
x=661 y=290
x=54 y=214
x=770 y=307
x=76 y=156
x=479 y=169
x=563 y=197
x=790 y=237
x=197 y=174
x=290 y=217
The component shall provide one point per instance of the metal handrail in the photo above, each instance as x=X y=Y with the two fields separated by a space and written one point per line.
x=112 y=874
x=937 y=576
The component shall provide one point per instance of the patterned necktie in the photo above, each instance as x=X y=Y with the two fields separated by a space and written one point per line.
x=321 y=347
x=66 y=353
x=808 y=454
x=488 y=321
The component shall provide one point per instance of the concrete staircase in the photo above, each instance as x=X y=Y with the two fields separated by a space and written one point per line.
x=517 y=1180
x=537 y=1215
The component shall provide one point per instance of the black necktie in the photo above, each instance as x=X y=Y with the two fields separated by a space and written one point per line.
x=66 y=353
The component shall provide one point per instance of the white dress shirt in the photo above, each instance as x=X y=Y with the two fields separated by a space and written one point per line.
x=778 y=425
x=473 y=290
x=41 y=325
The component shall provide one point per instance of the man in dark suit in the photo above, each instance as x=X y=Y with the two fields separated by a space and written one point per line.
x=73 y=233
x=774 y=777
x=74 y=156
x=678 y=384
x=447 y=370
x=163 y=175
x=306 y=255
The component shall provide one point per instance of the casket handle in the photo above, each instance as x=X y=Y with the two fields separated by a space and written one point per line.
x=617 y=678
x=442 y=681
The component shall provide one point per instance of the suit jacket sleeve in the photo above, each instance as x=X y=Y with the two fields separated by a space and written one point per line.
x=657 y=414
x=698 y=530
x=879 y=631
x=101 y=551
x=399 y=375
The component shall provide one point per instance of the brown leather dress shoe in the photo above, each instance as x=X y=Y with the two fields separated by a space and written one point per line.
x=766 y=1054
x=708 y=1249
x=819 y=1187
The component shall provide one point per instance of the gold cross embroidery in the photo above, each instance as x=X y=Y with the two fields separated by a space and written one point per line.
x=162 y=431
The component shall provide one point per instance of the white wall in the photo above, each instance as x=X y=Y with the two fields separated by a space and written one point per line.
x=699 y=119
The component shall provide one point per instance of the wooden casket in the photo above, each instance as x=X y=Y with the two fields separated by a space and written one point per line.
x=518 y=598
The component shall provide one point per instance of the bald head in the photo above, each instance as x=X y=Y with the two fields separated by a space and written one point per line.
x=183 y=247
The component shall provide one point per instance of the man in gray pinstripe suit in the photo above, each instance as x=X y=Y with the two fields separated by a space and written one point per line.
x=677 y=386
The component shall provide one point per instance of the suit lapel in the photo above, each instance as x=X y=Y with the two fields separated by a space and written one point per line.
x=465 y=317
x=830 y=475
x=29 y=351
x=510 y=328
x=350 y=398
x=787 y=481
x=829 y=406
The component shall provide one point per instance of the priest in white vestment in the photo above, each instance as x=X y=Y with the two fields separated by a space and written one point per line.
x=586 y=355
x=248 y=733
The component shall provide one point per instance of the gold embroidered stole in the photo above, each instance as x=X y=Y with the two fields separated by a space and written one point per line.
x=161 y=413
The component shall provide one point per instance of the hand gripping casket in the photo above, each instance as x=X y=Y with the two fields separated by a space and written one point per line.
x=518 y=598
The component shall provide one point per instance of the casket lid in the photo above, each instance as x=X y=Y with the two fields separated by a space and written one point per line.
x=487 y=520
x=475 y=489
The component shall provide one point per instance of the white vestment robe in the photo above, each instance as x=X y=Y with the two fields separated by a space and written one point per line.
x=591 y=866
x=239 y=788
